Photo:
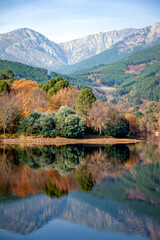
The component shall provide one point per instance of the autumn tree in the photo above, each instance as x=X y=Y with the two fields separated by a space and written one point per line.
x=39 y=101
x=97 y=115
x=7 y=112
x=159 y=121
x=64 y=97
x=133 y=122
x=23 y=90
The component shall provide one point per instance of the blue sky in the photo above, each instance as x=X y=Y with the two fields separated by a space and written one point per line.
x=63 y=20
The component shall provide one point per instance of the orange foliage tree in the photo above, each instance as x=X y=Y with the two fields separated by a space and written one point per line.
x=159 y=121
x=63 y=97
x=23 y=90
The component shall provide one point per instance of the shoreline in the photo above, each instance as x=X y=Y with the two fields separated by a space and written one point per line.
x=67 y=141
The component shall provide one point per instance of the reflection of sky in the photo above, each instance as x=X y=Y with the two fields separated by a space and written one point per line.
x=70 y=231
x=62 y=20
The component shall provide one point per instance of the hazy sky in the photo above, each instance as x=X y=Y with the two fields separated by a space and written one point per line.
x=63 y=20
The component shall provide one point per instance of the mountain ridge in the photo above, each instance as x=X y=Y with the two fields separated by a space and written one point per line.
x=30 y=47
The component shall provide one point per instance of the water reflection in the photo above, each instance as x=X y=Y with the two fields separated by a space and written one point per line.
x=107 y=188
x=26 y=170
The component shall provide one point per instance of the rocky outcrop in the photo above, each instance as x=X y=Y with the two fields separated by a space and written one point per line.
x=127 y=39
x=30 y=47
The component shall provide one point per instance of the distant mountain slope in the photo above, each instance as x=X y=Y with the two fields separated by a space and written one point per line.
x=138 y=74
x=40 y=75
x=133 y=41
x=109 y=56
x=86 y=47
x=21 y=70
x=30 y=47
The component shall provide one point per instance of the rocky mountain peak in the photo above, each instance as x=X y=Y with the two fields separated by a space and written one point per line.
x=30 y=47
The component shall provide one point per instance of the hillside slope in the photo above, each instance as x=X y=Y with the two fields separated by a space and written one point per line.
x=108 y=56
x=39 y=75
x=138 y=75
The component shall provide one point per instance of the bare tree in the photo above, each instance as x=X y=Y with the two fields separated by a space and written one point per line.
x=7 y=111
x=98 y=115
x=39 y=99
x=6 y=166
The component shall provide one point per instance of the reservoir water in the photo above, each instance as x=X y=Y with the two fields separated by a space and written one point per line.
x=80 y=192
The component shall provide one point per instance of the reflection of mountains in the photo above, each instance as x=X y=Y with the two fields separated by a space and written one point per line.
x=32 y=213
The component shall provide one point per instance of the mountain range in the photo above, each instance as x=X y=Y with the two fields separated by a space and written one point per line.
x=30 y=47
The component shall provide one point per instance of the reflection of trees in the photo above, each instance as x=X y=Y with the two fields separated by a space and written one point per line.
x=101 y=167
x=37 y=157
x=68 y=158
x=24 y=180
x=117 y=154
x=53 y=191
x=146 y=178
x=139 y=190
x=7 y=165
x=149 y=151
x=65 y=158
x=133 y=157
x=8 y=159
x=83 y=178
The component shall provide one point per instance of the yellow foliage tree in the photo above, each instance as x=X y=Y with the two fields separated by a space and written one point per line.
x=133 y=122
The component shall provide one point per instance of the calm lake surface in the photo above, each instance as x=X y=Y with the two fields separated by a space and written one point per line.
x=80 y=192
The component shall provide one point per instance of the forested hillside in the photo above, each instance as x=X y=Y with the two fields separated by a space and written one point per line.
x=21 y=70
x=138 y=75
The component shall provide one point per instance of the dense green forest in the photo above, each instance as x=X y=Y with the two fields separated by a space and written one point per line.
x=139 y=71
x=21 y=70
x=39 y=75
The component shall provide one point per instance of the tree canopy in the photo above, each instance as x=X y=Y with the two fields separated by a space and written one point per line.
x=84 y=101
